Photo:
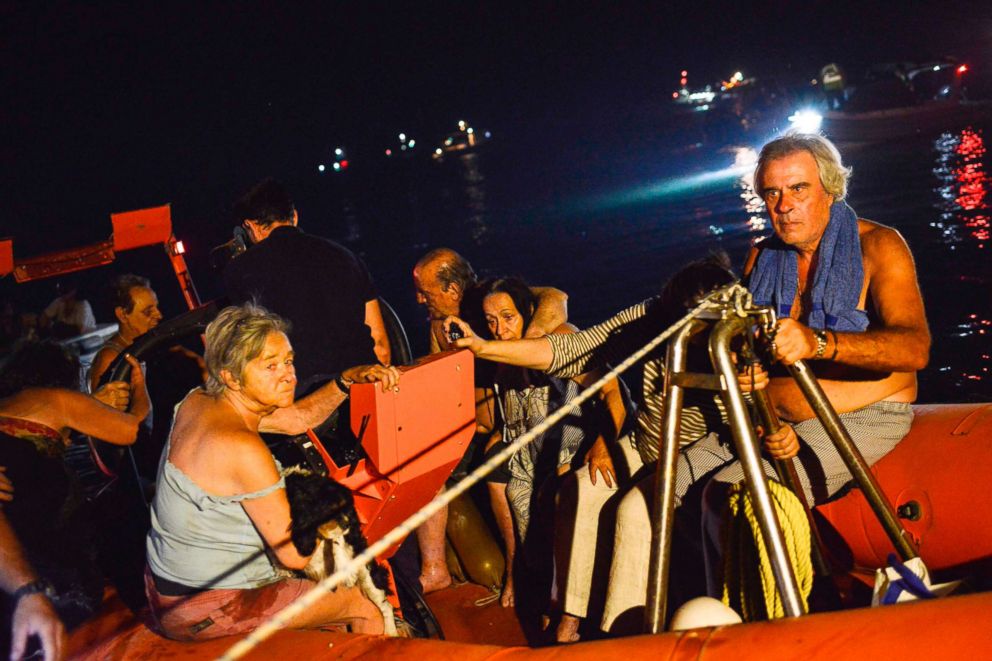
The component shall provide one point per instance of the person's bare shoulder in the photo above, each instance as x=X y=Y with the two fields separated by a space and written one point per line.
x=566 y=329
x=881 y=245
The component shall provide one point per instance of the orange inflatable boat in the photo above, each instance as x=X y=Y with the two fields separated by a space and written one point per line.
x=936 y=478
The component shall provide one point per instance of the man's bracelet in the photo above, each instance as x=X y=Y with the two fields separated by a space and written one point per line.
x=343 y=384
x=821 y=343
x=833 y=334
x=41 y=585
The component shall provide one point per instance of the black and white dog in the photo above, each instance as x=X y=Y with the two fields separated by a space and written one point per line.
x=325 y=525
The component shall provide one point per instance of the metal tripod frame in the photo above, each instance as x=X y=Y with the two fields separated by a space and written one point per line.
x=736 y=317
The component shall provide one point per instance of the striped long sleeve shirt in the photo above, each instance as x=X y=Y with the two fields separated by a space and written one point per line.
x=611 y=342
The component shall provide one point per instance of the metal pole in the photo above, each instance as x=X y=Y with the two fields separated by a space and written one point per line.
x=746 y=442
x=662 y=523
x=786 y=469
x=856 y=463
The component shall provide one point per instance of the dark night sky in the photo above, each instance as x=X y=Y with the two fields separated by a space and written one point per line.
x=108 y=106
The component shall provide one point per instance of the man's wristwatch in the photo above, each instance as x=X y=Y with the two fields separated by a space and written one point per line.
x=38 y=586
x=821 y=343
x=343 y=383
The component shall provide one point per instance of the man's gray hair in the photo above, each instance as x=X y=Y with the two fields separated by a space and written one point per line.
x=833 y=174
x=235 y=338
x=452 y=268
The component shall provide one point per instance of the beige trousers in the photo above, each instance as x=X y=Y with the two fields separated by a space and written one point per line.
x=582 y=554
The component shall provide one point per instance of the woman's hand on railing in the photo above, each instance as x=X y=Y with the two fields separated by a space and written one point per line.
x=783 y=444
x=751 y=377
x=116 y=394
x=389 y=377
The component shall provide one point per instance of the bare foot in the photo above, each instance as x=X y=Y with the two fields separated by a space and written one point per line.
x=433 y=579
x=506 y=597
x=568 y=629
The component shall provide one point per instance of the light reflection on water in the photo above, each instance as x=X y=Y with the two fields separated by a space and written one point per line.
x=963 y=222
x=476 y=219
x=962 y=188
x=754 y=206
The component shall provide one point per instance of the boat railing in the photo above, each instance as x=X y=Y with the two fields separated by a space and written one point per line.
x=736 y=316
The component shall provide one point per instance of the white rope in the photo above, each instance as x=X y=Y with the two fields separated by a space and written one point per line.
x=397 y=534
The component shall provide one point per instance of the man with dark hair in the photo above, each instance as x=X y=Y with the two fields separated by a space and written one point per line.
x=321 y=287
x=136 y=309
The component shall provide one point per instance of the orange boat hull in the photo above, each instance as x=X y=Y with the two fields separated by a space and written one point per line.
x=943 y=465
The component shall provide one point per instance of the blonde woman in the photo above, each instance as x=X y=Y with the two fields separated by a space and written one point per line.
x=221 y=502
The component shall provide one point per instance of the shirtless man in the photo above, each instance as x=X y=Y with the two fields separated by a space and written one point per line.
x=802 y=181
x=441 y=278
x=848 y=302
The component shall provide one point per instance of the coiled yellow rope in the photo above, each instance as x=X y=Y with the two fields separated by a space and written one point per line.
x=748 y=581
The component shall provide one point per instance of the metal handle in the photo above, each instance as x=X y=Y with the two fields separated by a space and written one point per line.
x=855 y=463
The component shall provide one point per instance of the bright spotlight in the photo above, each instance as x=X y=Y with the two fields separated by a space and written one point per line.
x=806 y=121
x=339 y=152
x=402 y=137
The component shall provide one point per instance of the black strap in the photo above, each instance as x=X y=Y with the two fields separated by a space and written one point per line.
x=168 y=588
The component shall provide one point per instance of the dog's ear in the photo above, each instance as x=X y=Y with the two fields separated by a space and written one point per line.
x=302 y=531
x=313 y=501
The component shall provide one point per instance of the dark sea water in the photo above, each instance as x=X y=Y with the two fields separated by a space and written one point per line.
x=607 y=213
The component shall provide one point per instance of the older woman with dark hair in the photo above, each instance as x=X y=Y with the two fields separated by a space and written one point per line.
x=587 y=438
x=221 y=502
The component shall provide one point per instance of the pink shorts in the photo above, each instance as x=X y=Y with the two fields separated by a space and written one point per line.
x=215 y=613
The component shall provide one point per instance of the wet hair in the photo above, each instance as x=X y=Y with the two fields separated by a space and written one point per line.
x=518 y=291
x=452 y=269
x=833 y=174
x=39 y=365
x=689 y=284
x=120 y=290
x=267 y=202
x=235 y=338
